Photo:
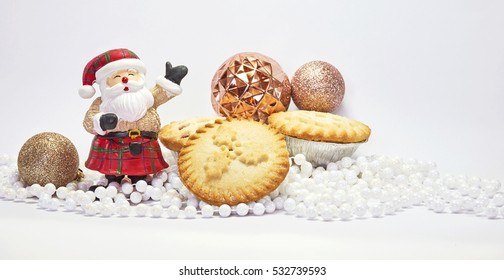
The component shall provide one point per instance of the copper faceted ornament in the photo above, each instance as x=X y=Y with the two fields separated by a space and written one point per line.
x=250 y=85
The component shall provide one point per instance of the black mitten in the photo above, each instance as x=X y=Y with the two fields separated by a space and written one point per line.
x=175 y=74
x=108 y=121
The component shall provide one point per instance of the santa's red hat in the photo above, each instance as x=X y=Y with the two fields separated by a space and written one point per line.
x=104 y=65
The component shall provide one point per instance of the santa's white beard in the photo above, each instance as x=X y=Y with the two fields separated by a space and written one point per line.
x=130 y=105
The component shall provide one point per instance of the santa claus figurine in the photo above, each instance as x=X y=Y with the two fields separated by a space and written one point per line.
x=124 y=119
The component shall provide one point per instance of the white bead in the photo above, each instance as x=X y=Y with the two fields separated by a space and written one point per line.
x=172 y=176
x=176 y=183
x=162 y=175
x=135 y=197
x=35 y=190
x=491 y=212
x=2 y=191
x=54 y=204
x=224 y=210
x=13 y=177
x=21 y=194
x=275 y=193
x=123 y=210
x=106 y=210
x=165 y=200
x=258 y=209
x=327 y=214
x=156 y=193
x=120 y=197
x=376 y=210
x=62 y=192
x=70 y=204
x=43 y=201
x=49 y=189
x=389 y=208
x=279 y=203
x=127 y=188
x=351 y=177
x=345 y=211
x=498 y=199
x=201 y=204
x=157 y=183
x=311 y=213
x=190 y=212
x=78 y=195
x=300 y=210
x=168 y=186
x=207 y=211
x=387 y=173
x=145 y=196
x=102 y=182
x=262 y=200
x=83 y=185
x=490 y=190
x=17 y=185
x=496 y=184
x=184 y=192
x=90 y=195
x=299 y=159
x=438 y=206
x=100 y=192
x=346 y=162
x=173 y=211
x=122 y=202
x=242 y=209
x=306 y=169
x=360 y=209
x=455 y=206
x=141 y=210
x=474 y=181
x=290 y=205
x=192 y=202
x=474 y=192
x=157 y=211
x=332 y=166
x=90 y=209
x=111 y=191
x=468 y=203
x=176 y=201
x=141 y=186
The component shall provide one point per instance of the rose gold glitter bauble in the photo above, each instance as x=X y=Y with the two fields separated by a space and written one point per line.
x=48 y=157
x=318 y=86
x=250 y=85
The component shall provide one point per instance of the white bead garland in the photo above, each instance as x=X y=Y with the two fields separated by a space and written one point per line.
x=361 y=187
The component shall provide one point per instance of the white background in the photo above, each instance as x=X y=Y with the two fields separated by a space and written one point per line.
x=427 y=77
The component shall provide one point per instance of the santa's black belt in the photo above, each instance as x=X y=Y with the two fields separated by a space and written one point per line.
x=132 y=133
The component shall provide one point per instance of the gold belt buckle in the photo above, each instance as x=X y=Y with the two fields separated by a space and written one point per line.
x=133 y=133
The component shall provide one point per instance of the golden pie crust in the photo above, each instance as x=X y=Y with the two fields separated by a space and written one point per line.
x=174 y=135
x=319 y=126
x=233 y=161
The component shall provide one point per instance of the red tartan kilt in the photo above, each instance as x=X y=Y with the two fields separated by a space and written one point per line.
x=113 y=157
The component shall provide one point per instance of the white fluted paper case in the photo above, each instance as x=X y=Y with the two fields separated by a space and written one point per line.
x=320 y=153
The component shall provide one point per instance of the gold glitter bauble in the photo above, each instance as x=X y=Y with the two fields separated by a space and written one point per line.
x=318 y=86
x=250 y=85
x=48 y=157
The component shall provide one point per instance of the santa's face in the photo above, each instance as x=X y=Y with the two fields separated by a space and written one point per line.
x=124 y=94
x=123 y=76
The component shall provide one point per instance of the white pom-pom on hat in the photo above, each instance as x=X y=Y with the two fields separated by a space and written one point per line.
x=87 y=91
